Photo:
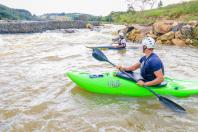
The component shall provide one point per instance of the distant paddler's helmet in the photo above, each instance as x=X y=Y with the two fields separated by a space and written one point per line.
x=148 y=42
x=121 y=35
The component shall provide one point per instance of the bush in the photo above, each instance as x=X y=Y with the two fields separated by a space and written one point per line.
x=188 y=10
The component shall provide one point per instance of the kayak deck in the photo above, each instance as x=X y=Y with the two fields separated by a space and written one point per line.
x=112 y=47
x=108 y=83
x=106 y=47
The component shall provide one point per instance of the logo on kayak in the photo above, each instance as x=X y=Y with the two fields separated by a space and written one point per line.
x=114 y=83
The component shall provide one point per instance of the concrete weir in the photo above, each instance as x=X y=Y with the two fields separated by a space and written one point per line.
x=40 y=26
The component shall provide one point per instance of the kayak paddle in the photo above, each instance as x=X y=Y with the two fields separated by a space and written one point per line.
x=99 y=55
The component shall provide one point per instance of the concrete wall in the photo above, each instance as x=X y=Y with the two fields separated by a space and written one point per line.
x=40 y=26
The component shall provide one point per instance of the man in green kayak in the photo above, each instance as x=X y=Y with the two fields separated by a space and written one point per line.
x=151 y=67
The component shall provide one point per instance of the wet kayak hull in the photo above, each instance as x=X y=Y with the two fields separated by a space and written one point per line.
x=107 y=83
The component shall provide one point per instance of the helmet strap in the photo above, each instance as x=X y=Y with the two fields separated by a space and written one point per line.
x=144 y=48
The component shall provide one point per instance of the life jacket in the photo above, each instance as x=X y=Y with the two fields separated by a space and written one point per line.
x=122 y=42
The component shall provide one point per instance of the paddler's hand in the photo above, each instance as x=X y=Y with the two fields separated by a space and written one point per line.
x=120 y=68
x=141 y=83
x=115 y=45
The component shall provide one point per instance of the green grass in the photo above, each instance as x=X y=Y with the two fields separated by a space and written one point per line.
x=195 y=42
x=7 y=13
x=184 y=12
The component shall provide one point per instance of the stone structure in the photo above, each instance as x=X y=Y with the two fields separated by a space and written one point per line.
x=40 y=26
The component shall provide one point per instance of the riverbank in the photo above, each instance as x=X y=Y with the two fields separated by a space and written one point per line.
x=168 y=32
x=175 y=24
x=40 y=26
x=185 y=12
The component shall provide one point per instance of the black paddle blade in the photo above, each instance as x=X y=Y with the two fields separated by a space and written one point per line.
x=170 y=104
x=98 y=55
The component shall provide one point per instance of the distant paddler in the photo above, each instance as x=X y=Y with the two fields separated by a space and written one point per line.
x=121 y=41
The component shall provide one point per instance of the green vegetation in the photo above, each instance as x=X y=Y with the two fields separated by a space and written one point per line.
x=70 y=16
x=184 y=12
x=7 y=13
x=195 y=42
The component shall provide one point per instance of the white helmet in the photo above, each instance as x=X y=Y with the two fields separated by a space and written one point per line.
x=121 y=34
x=148 y=42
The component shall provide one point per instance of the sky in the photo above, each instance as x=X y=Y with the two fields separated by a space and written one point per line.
x=94 y=7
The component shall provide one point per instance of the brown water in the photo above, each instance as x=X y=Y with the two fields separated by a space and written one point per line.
x=35 y=95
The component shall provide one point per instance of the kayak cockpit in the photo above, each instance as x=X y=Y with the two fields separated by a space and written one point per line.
x=136 y=76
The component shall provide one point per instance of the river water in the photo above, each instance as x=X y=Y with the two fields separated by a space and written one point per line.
x=35 y=94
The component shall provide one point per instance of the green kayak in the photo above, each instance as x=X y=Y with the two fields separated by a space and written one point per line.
x=108 y=83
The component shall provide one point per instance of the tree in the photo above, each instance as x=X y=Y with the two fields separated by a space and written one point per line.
x=160 y=4
x=152 y=3
x=141 y=5
x=130 y=5
x=83 y=17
